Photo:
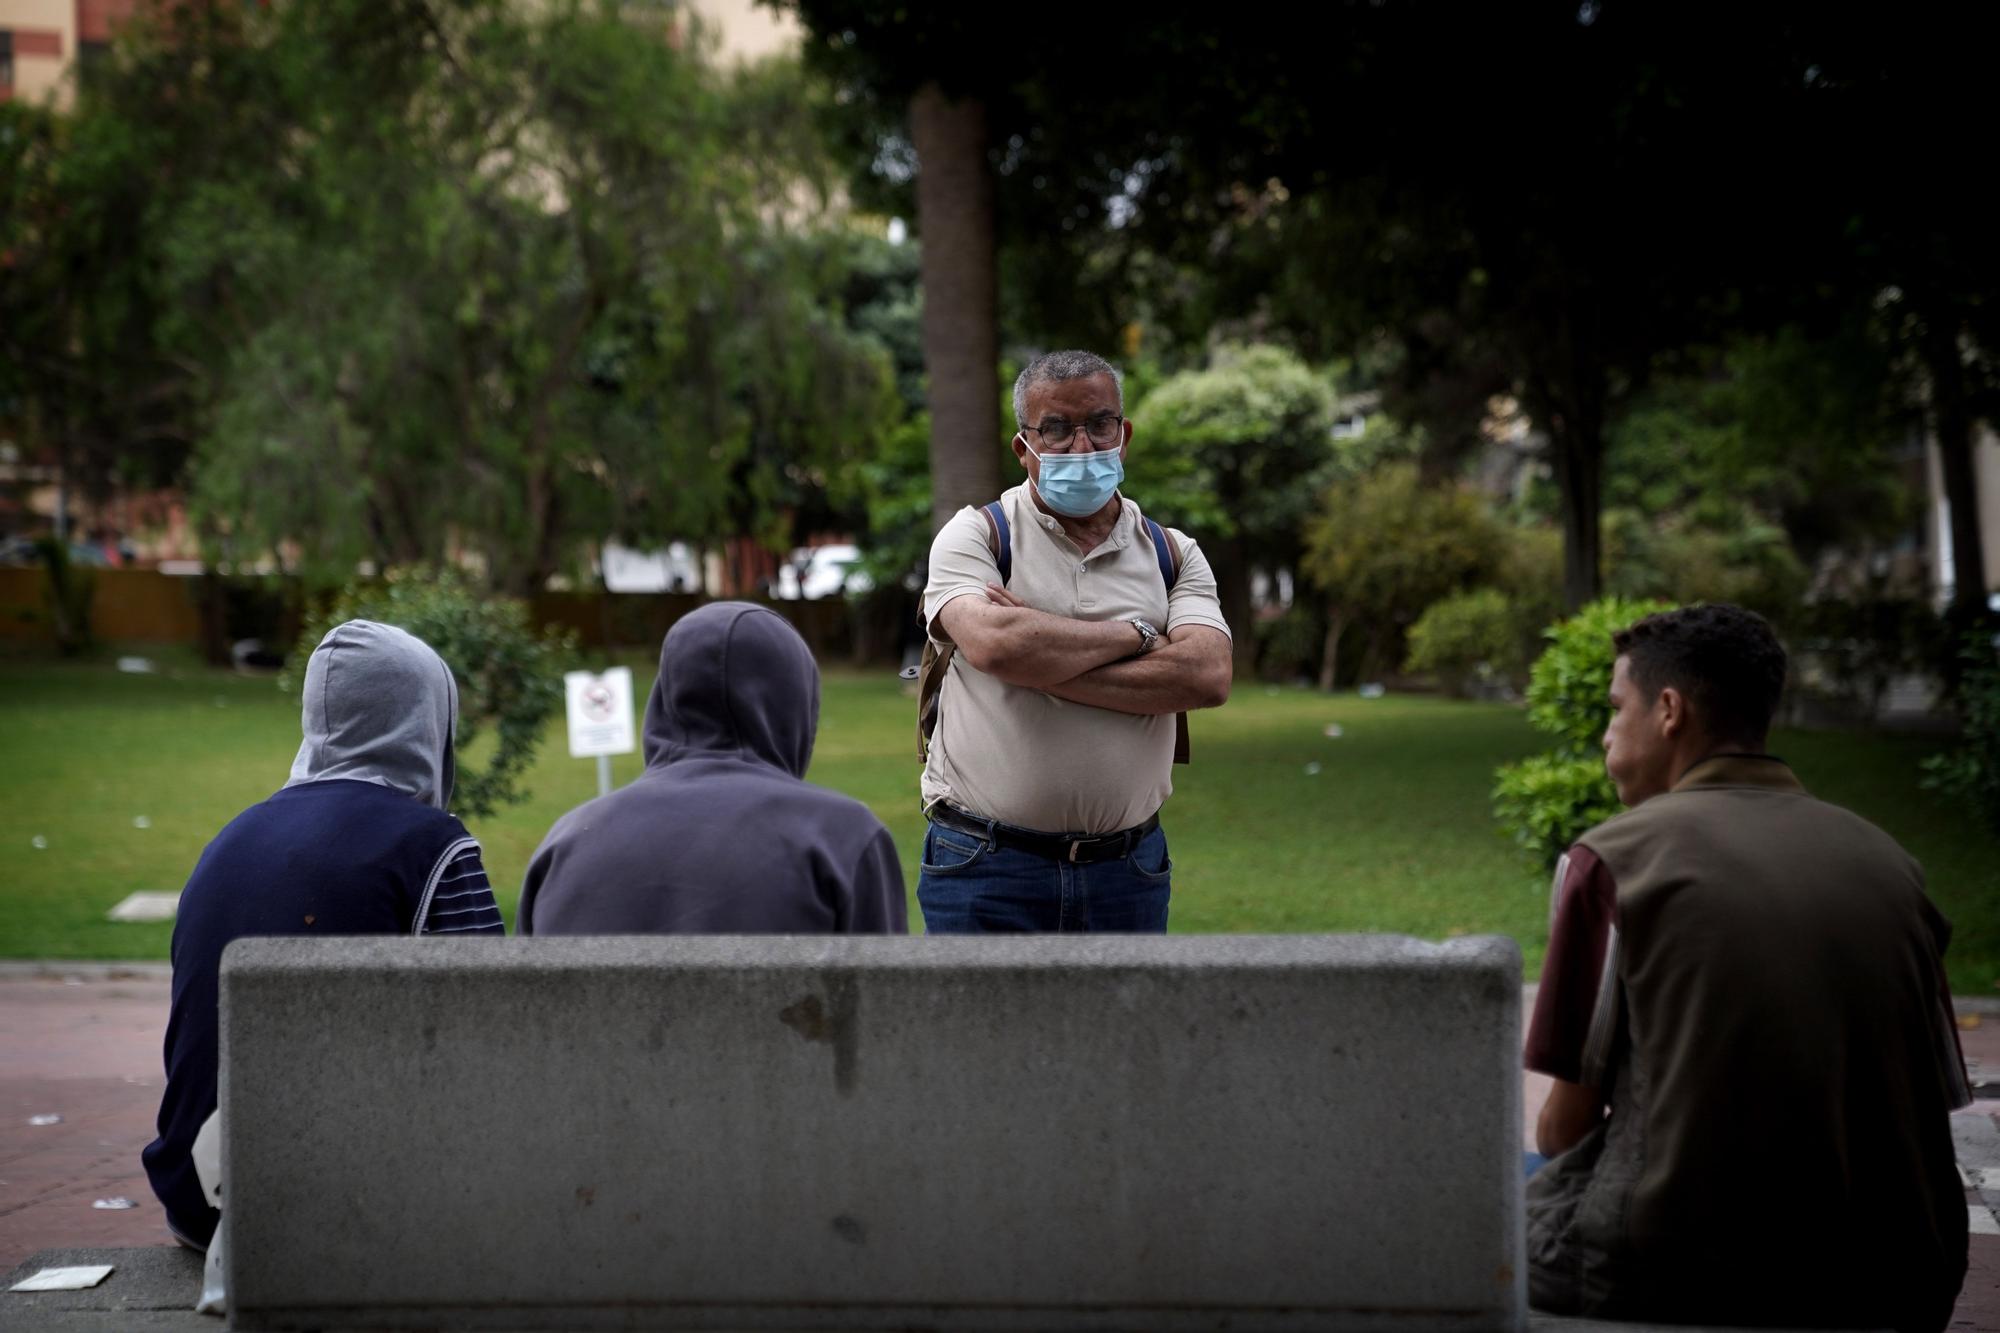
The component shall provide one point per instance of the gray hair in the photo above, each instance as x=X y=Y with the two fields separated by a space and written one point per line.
x=1054 y=368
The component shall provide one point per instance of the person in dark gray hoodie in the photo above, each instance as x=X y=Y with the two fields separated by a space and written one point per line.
x=721 y=834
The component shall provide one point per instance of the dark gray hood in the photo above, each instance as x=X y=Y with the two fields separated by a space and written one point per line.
x=380 y=706
x=734 y=679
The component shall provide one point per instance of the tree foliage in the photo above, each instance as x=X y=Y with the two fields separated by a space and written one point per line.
x=519 y=277
x=1235 y=453
x=509 y=674
x=1383 y=546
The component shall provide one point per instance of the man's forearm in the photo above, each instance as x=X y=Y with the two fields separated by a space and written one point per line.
x=1571 y=1111
x=1023 y=646
x=1176 y=678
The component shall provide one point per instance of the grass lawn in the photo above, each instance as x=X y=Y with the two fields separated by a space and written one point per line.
x=1392 y=832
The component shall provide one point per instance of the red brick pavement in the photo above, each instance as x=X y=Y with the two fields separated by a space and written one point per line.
x=89 y=1051
x=91 y=1054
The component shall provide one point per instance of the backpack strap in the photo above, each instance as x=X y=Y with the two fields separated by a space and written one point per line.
x=1166 y=552
x=1003 y=540
x=1169 y=555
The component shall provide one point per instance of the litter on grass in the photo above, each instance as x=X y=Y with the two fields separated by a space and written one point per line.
x=146 y=905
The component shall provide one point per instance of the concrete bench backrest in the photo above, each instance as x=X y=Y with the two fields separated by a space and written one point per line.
x=1240 y=1132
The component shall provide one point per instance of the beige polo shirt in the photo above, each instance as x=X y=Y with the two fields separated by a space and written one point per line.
x=1027 y=758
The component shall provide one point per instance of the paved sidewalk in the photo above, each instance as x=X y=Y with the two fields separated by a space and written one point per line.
x=86 y=1046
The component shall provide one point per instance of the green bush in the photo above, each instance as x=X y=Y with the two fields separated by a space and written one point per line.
x=1972 y=771
x=1546 y=801
x=509 y=675
x=1467 y=638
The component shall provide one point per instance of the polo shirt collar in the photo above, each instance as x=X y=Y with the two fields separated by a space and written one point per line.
x=1741 y=770
x=1118 y=538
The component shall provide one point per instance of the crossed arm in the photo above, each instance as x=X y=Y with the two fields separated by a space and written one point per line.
x=1089 y=661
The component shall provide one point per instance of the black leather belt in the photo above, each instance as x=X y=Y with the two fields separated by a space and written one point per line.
x=1055 y=846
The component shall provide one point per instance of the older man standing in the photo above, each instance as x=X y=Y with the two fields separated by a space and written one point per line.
x=1078 y=629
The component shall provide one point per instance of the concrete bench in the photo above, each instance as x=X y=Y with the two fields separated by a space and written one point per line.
x=1048 y=1133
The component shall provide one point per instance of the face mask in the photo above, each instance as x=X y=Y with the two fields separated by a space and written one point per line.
x=1079 y=484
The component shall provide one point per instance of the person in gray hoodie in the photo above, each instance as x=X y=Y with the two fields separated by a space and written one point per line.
x=359 y=841
x=721 y=834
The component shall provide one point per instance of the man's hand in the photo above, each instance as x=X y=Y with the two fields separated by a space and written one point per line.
x=1010 y=640
x=1571 y=1112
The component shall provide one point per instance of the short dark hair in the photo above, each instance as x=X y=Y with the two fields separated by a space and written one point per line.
x=1723 y=659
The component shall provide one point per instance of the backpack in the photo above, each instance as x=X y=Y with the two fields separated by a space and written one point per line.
x=937 y=658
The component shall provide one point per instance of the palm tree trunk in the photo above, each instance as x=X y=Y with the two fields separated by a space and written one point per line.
x=960 y=318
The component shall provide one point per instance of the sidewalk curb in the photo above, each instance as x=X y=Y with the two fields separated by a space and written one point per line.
x=59 y=969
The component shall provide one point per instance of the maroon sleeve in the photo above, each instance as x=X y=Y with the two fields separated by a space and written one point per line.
x=1575 y=974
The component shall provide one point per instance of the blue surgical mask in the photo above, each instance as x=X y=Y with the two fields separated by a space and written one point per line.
x=1079 y=484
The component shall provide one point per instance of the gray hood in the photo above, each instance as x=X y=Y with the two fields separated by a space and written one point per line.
x=380 y=706
x=734 y=679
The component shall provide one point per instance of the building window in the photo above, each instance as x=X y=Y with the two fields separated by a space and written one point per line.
x=6 y=61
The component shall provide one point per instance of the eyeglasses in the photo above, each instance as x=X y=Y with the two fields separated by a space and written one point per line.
x=1102 y=431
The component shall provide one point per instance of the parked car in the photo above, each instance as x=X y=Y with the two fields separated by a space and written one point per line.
x=813 y=572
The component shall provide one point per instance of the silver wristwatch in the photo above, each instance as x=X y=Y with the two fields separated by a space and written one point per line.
x=1149 y=638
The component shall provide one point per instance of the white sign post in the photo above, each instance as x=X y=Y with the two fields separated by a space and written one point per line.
x=600 y=718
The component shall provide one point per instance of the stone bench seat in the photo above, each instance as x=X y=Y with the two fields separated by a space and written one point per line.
x=1050 y=1133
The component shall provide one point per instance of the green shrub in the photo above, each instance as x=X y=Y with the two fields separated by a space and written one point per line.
x=1467 y=638
x=1972 y=771
x=509 y=675
x=1546 y=801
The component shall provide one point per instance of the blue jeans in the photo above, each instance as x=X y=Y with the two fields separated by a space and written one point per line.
x=969 y=886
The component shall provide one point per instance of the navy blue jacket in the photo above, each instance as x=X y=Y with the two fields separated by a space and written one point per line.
x=326 y=858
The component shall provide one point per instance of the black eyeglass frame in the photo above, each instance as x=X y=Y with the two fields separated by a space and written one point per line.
x=1114 y=423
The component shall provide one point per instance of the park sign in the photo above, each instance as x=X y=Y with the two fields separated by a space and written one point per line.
x=600 y=717
x=600 y=712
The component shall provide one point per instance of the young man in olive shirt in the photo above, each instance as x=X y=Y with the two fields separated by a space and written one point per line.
x=1745 y=1015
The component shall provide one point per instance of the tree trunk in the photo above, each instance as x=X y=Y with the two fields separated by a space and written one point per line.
x=960 y=291
x=1951 y=422
x=1229 y=561
x=1576 y=440
x=1329 y=662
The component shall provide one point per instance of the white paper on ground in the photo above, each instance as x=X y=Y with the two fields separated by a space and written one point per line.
x=147 y=905
x=64 y=1279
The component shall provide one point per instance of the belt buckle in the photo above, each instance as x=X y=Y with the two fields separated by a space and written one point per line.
x=1073 y=845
